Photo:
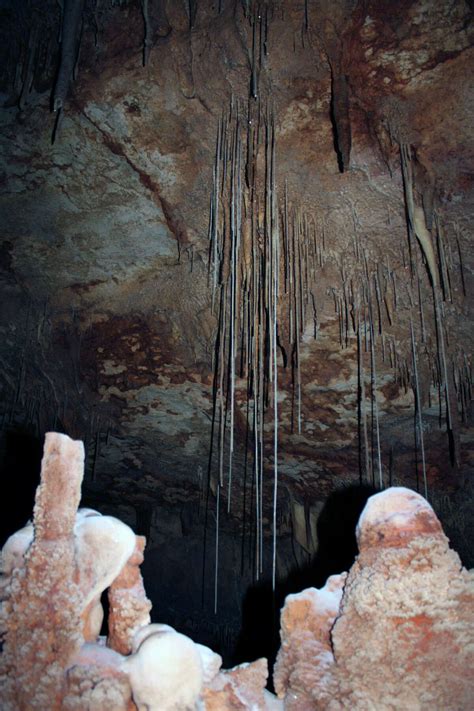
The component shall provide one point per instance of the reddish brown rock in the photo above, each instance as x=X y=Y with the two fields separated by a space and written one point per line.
x=44 y=603
x=404 y=633
x=96 y=682
x=129 y=605
x=306 y=652
x=53 y=573
x=239 y=689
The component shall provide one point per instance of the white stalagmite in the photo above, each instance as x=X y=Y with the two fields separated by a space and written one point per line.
x=166 y=672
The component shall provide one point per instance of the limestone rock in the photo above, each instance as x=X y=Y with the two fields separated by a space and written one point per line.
x=43 y=630
x=240 y=689
x=306 y=653
x=403 y=634
x=53 y=573
x=166 y=672
x=95 y=681
x=129 y=606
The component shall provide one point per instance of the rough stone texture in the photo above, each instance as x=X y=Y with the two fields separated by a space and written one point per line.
x=102 y=546
x=306 y=652
x=54 y=573
x=403 y=632
x=44 y=603
x=239 y=689
x=95 y=681
x=396 y=632
x=106 y=326
x=129 y=606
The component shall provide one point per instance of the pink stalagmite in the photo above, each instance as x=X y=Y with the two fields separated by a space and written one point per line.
x=402 y=636
x=53 y=574
x=44 y=603
x=396 y=632
x=129 y=606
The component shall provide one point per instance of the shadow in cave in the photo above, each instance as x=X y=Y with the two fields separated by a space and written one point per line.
x=19 y=476
x=337 y=549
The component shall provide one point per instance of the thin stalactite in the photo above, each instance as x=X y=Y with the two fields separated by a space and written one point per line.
x=418 y=409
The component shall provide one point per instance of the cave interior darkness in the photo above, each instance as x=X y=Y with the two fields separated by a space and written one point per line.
x=237 y=262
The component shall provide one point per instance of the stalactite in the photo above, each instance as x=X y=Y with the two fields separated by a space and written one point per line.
x=147 y=34
x=374 y=381
x=417 y=223
x=386 y=300
x=394 y=283
x=275 y=244
x=251 y=265
x=443 y=268
x=379 y=304
x=361 y=402
x=254 y=69
x=418 y=409
x=416 y=217
x=420 y=307
x=216 y=557
x=265 y=262
x=30 y=65
x=451 y=413
x=70 y=31
x=461 y=263
x=192 y=12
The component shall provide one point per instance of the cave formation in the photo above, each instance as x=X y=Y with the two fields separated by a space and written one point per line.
x=237 y=263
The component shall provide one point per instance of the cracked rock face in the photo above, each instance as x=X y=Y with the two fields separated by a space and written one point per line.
x=108 y=326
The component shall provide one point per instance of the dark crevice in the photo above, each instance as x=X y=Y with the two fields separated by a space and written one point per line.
x=339 y=115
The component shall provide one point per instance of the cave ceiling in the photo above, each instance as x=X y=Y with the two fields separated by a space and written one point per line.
x=231 y=194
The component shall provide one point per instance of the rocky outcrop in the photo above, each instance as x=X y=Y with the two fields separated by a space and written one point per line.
x=129 y=606
x=44 y=601
x=107 y=327
x=54 y=572
x=397 y=633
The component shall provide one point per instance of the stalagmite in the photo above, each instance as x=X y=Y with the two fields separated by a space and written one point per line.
x=52 y=574
x=396 y=632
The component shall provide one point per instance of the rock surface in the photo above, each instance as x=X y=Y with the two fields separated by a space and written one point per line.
x=107 y=330
x=397 y=633
x=129 y=606
x=52 y=656
x=44 y=601
x=240 y=688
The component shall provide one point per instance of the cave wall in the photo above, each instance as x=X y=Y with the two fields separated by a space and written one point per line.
x=353 y=122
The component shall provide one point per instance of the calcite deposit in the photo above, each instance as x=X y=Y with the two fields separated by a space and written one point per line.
x=137 y=247
x=398 y=633
x=41 y=612
x=53 y=574
x=129 y=606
